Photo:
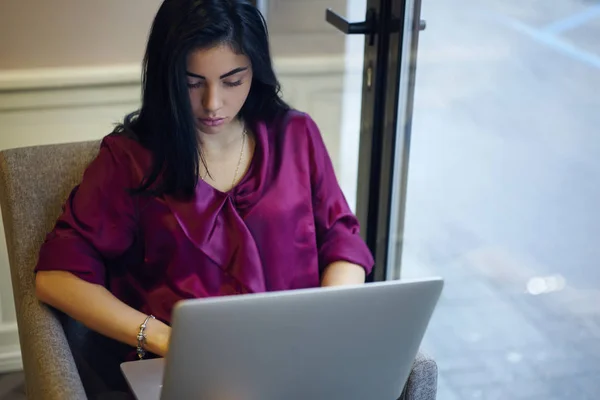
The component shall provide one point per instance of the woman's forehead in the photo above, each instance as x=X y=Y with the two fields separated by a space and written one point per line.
x=216 y=61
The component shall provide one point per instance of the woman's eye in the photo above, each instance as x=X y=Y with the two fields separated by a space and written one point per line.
x=232 y=84
x=195 y=85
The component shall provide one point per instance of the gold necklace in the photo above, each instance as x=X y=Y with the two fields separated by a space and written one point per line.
x=237 y=168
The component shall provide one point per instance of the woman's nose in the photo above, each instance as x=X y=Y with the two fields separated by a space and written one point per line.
x=211 y=100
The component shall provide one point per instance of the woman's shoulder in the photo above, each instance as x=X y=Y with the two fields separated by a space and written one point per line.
x=120 y=160
x=295 y=136
x=297 y=125
x=121 y=141
x=295 y=119
x=124 y=146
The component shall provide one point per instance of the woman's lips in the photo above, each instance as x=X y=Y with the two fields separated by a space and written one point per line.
x=212 y=121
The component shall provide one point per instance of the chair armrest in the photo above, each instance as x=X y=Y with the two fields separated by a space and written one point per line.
x=50 y=371
x=422 y=381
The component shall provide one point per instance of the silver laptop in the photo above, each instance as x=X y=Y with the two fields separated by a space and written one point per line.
x=351 y=343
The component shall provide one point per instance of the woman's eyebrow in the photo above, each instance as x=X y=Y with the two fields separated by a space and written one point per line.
x=232 y=72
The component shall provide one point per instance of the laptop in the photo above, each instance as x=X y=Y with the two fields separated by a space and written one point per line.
x=347 y=342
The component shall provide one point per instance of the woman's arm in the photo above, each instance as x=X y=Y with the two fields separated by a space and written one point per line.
x=98 y=224
x=344 y=257
x=98 y=309
x=341 y=273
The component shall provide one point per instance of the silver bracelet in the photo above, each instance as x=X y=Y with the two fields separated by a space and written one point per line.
x=141 y=338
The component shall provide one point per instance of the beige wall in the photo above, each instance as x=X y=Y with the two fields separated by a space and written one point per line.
x=57 y=33
x=72 y=33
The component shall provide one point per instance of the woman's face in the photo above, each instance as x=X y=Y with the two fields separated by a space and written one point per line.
x=219 y=81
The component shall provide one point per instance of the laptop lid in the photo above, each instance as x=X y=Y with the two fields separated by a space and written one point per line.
x=352 y=343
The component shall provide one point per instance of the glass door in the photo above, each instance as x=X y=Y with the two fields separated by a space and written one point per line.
x=502 y=197
x=351 y=66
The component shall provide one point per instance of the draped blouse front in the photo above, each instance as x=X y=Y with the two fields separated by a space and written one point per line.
x=277 y=229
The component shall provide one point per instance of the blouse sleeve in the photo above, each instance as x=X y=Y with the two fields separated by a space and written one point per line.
x=98 y=219
x=337 y=228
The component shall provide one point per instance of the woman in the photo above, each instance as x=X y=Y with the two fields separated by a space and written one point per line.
x=214 y=187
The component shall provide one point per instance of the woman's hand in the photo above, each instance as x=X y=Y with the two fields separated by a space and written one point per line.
x=342 y=273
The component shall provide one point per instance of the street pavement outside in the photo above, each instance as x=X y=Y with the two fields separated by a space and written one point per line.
x=504 y=196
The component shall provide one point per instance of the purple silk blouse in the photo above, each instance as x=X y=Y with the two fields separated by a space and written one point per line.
x=277 y=229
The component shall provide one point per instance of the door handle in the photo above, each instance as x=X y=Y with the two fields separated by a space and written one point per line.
x=351 y=28
x=367 y=27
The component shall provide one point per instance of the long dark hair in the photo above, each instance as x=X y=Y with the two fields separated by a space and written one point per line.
x=165 y=123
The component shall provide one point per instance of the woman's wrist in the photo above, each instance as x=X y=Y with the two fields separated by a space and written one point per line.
x=157 y=337
x=342 y=273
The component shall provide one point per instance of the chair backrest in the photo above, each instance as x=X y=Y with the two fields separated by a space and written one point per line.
x=34 y=184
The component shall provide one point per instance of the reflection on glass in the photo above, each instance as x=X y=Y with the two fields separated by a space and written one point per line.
x=503 y=192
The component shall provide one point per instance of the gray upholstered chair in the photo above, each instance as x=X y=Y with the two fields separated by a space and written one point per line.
x=34 y=183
